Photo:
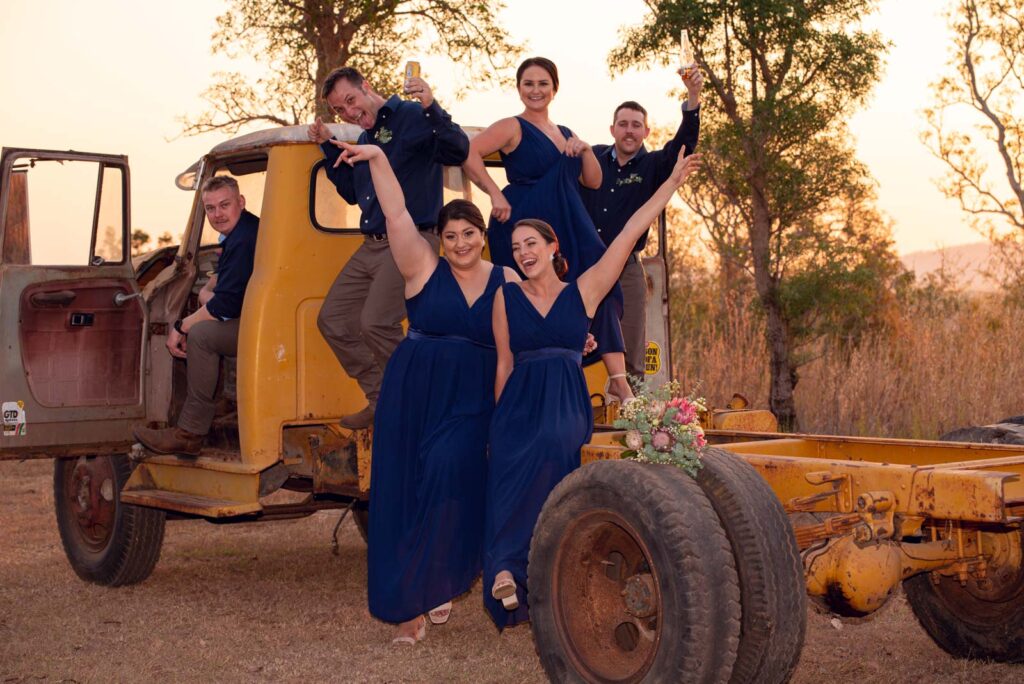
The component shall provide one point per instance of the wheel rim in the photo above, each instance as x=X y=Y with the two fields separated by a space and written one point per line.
x=606 y=600
x=89 y=496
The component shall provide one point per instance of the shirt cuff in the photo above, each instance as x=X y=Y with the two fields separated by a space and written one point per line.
x=686 y=111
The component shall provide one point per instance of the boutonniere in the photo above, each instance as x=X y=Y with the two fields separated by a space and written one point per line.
x=383 y=135
x=633 y=178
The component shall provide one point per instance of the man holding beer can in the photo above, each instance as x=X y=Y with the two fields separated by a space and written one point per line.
x=361 y=317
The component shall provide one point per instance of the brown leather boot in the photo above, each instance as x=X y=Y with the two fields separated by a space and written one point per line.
x=359 y=420
x=169 y=441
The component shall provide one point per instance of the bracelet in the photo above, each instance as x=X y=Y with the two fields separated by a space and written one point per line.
x=177 y=326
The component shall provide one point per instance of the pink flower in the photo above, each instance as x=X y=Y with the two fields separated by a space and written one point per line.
x=687 y=412
x=699 y=441
x=634 y=440
x=657 y=408
x=662 y=440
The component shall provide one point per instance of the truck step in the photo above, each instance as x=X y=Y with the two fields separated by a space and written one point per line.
x=189 y=503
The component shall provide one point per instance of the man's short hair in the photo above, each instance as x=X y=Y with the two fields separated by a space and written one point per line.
x=219 y=182
x=350 y=74
x=630 y=104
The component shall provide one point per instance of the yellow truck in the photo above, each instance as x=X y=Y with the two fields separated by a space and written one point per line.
x=637 y=572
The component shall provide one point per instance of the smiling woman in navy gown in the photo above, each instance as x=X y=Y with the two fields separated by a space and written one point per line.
x=545 y=164
x=543 y=415
x=436 y=400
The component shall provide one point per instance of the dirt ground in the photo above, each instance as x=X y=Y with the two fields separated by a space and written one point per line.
x=270 y=602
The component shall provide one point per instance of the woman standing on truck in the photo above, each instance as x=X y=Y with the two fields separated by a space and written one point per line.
x=430 y=428
x=545 y=164
x=543 y=415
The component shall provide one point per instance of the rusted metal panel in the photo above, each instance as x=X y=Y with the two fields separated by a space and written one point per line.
x=189 y=503
x=189 y=486
x=804 y=478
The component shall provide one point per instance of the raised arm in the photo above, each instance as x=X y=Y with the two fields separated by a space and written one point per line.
x=339 y=174
x=597 y=280
x=501 y=135
x=451 y=145
x=689 y=128
x=414 y=256
x=505 y=361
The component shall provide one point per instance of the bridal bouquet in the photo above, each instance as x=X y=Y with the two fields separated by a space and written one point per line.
x=663 y=427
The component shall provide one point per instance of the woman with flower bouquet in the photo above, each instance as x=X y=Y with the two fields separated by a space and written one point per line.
x=543 y=415
x=430 y=428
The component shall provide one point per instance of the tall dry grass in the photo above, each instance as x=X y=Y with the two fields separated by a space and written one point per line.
x=942 y=365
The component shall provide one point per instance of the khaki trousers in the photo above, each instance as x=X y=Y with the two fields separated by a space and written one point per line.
x=207 y=342
x=361 y=317
x=634 y=314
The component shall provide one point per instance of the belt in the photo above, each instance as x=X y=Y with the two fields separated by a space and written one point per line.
x=415 y=334
x=549 y=353
x=383 y=237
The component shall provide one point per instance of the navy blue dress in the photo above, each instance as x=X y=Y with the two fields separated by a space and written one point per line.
x=544 y=184
x=430 y=451
x=542 y=419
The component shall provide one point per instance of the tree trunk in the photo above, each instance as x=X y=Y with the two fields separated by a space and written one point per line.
x=782 y=379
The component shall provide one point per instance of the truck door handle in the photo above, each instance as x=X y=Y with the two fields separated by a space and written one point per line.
x=61 y=297
x=120 y=298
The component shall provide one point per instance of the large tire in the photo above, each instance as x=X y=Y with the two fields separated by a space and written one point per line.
x=106 y=541
x=972 y=621
x=774 y=597
x=631 y=579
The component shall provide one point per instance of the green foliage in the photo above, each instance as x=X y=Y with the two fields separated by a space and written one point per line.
x=781 y=194
x=298 y=43
x=139 y=240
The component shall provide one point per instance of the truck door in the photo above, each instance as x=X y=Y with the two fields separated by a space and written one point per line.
x=72 y=323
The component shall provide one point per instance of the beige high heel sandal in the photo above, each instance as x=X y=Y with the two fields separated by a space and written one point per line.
x=504 y=590
x=421 y=634
x=610 y=396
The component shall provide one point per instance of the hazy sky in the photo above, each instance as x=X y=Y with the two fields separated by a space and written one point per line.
x=113 y=76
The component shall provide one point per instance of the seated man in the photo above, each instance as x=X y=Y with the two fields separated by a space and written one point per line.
x=212 y=331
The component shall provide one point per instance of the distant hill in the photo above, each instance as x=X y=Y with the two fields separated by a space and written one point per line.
x=966 y=261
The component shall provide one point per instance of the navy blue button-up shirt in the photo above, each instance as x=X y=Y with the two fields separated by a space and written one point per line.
x=419 y=143
x=625 y=188
x=234 y=268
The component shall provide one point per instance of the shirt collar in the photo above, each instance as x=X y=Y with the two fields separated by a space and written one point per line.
x=639 y=153
x=392 y=104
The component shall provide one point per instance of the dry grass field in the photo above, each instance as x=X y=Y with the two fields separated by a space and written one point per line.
x=270 y=602
x=942 y=365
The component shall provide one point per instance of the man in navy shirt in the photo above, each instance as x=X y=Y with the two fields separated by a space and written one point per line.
x=212 y=331
x=361 y=317
x=631 y=174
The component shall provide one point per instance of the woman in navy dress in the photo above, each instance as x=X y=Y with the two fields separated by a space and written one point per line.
x=543 y=415
x=545 y=163
x=430 y=430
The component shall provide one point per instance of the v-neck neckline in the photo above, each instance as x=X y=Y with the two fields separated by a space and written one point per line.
x=462 y=293
x=554 y=303
x=545 y=135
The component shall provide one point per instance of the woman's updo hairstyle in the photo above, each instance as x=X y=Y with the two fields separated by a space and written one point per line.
x=559 y=261
x=461 y=209
x=542 y=62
